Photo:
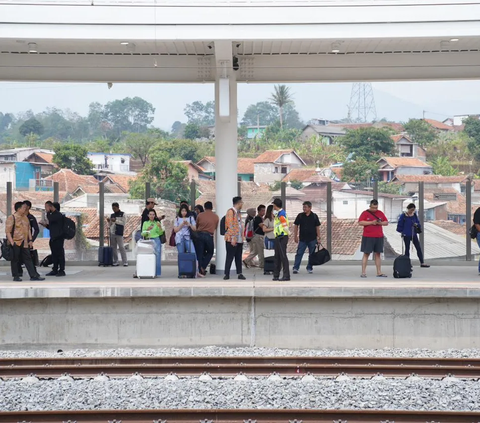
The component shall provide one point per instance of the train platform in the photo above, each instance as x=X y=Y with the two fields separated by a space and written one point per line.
x=96 y=307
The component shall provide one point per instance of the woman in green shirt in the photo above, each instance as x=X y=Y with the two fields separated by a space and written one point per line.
x=152 y=229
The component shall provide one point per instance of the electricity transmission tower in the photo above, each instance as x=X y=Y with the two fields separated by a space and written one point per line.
x=362 y=103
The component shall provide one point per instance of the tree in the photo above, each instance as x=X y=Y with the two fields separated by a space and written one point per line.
x=296 y=184
x=192 y=131
x=74 y=157
x=139 y=145
x=31 y=126
x=178 y=129
x=368 y=143
x=360 y=171
x=200 y=114
x=472 y=129
x=442 y=166
x=263 y=113
x=291 y=118
x=168 y=179
x=56 y=125
x=420 y=132
x=389 y=188
x=6 y=120
x=280 y=98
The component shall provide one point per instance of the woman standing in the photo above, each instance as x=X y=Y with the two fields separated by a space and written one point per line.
x=182 y=227
x=268 y=228
x=152 y=229
x=409 y=226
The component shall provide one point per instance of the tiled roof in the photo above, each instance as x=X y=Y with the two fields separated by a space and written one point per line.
x=289 y=192
x=397 y=138
x=244 y=165
x=369 y=193
x=338 y=171
x=318 y=179
x=438 y=125
x=93 y=229
x=271 y=156
x=404 y=162
x=45 y=156
x=299 y=174
x=451 y=226
x=457 y=206
x=88 y=213
x=37 y=198
x=69 y=181
x=122 y=181
x=439 y=179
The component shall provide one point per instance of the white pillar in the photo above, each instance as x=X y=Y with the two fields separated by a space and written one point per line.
x=225 y=154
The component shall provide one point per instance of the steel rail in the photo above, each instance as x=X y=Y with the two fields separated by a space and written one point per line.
x=227 y=366
x=238 y=416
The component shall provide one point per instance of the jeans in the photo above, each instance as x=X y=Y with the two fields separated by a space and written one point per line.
x=281 y=258
x=302 y=246
x=204 y=249
x=158 y=255
x=186 y=246
x=233 y=252
x=58 y=254
x=478 y=242
x=416 y=243
x=117 y=240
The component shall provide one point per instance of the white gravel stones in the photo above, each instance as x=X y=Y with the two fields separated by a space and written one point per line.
x=65 y=378
x=414 y=378
x=247 y=351
x=274 y=377
x=30 y=379
x=205 y=377
x=171 y=378
x=102 y=377
x=308 y=378
x=86 y=394
x=240 y=378
x=136 y=376
x=342 y=378
x=378 y=377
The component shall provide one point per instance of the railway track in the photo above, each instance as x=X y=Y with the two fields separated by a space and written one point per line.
x=238 y=416
x=230 y=366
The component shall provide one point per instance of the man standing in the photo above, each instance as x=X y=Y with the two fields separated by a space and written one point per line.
x=309 y=224
x=117 y=222
x=19 y=236
x=234 y=238
x=55 y=225
x=34 y=229
x=281 y=231
x=476 y=222
x=372 y=221
x=207 y=223
x=256 y=243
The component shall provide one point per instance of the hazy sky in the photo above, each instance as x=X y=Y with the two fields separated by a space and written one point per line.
x=394 y=100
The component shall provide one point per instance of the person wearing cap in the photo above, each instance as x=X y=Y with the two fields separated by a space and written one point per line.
x=150 y=205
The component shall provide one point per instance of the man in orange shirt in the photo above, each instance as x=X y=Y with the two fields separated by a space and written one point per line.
x=234 y=238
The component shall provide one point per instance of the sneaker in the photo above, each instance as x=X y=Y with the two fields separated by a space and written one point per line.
x=226 y=278
x=52 y=273
x=115 y=264
x=17 y=279
x=284 y=279
x=125 y=264
x=310 y=271
x=37 y=278
x=275 y=278
x=199 y=275
x=295 y=271
x=240 y=276
x=246 y=264
x=61 y=273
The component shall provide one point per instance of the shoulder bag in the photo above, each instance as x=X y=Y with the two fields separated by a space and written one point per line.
x=320 y=256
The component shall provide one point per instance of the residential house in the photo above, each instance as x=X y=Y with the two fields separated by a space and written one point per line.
x=456 y=203
x=121 y=181
x=25 y=176
x=273 y=165
x=349 y=204
x=439 y=126
x=69 y=181
x=118 y=163
x=389 y=167
x=458 y=119
x=20 y=154
x=40 y=157
x=195 y=172
x=255 y=131
x=407 y=148
x=409 y=183
x=245 y=167
x=299 y=174
x=324 y=133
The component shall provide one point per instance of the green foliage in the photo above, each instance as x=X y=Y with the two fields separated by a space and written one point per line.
x=139 y=145
x=31 y=126
x=262 y=113
x=291 y=118
x=420 y=132
x=296 y=184
x=178 y=130
x=280 y=98
x=472 y=129
x=182 y=149
x=389 y=187
x=276 y=134
x=276 y=186
x=168 y=179
x=368 y=143
x=74 y=157
x=192 y=131
x=317 y=152
x=200 y=114
x=452 y=145
x=360 y=171
x=442 y=166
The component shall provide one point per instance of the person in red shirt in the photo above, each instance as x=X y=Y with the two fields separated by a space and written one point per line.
x=372 y=221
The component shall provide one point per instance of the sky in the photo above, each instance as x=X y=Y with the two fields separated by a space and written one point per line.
x=396 y=101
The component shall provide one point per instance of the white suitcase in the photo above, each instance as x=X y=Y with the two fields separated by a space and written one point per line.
x=146 y=266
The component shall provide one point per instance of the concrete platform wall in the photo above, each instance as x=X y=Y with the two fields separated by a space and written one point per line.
x=296 y=322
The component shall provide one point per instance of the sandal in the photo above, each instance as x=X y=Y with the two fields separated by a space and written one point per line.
x=363 y=275
x=382 y=275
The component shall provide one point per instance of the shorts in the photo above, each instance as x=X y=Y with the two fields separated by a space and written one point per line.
x=371 y=245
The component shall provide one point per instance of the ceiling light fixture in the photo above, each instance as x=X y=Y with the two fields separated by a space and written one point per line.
x=32 y=47
x=454 y=40
x=336 y=46
x=124 y=43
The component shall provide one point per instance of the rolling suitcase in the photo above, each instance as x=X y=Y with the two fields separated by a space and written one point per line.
x=268 y=265
x=187 y=265
x=105 y=255
x=146 y=266
x=402 y=266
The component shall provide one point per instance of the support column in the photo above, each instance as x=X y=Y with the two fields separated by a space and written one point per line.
x=226 y=186
x=468 y=217
x=101 y=214
x=9 y=198
x=421 y=214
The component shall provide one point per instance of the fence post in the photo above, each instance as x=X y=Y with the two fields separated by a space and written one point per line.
x=239 y=188
x=283 y=195
x=101 y=214
x=56 y=192
x=421 y=214
x=468 y=217
x=329 y=217
x=193 y=194
x=9 y=198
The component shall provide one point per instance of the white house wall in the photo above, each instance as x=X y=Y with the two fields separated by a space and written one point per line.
x=7 y=174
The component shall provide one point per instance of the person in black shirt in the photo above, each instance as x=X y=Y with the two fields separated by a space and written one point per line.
x=257 y=242
x=55 y=225
x=476 y=222
x=149 y=207
x=309 y=235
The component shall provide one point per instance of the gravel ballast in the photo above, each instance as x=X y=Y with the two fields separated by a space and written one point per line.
x=388 y=394
x=252 y=351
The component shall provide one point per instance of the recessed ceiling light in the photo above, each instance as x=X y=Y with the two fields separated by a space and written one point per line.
x=336 y=46
x=454 y=40
x=336 y=50
x=125 y=43
x=32 y=47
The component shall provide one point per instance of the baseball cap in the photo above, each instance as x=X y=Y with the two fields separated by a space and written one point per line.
x=152 y=200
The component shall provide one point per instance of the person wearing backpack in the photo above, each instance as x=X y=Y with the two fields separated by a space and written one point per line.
x=234 y=238
x=55 y=225
x=117 y=222
x=409 y=226
x=257 y=240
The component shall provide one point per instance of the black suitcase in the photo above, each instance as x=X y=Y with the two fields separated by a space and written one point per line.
x=402 y=267
x=268 y=265
x=105 y=255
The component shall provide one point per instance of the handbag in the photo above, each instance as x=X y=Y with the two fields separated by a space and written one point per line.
x=171 y=241
x=163 y=238
x=6 y=248
x=34 y=256
x=473 y=232
x=320 y=256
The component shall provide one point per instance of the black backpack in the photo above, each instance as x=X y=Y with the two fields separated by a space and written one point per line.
x=402 y=267
x=69 y=228
x=47 y=261
x=222 y=226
